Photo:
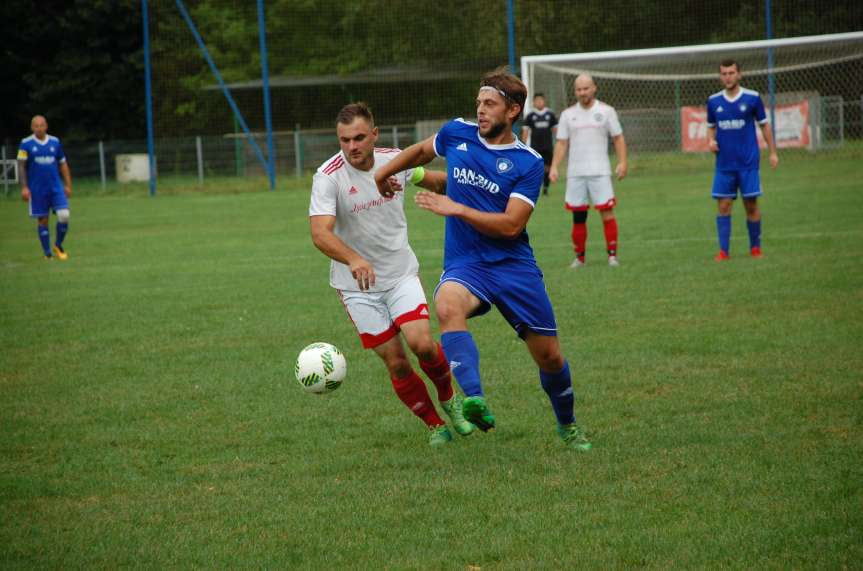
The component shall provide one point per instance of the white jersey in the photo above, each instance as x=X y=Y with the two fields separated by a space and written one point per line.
x=373 y=226
x=588 y=131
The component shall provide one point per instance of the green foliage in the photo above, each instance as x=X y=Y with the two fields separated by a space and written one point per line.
x=149 y=416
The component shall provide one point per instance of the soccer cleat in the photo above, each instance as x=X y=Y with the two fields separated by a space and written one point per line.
x=60 y=253
x=477 y=412
x=755 y=252
x=453 y=409
x=47 y=258
x=573 y=436
x=613 y=262
x=577 y=263
x=439 y=435
x=722 y=256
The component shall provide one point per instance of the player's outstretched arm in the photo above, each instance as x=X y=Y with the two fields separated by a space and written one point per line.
x=332 y=246
x=508 y=224
x=560 y=148
x=434 y=181
x=67 y=178
x=416 y=155
x=771 y=144
x=711 y=140
x=620 y=150
x=22 y=176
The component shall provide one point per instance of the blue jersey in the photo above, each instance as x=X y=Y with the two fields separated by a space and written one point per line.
x=43 y=163
x=485 y=177
x=734 y=121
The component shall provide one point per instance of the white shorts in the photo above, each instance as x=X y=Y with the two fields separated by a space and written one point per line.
x=597 y=188
x=378 y=315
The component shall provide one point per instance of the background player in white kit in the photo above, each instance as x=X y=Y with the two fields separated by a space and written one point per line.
x=374 y=269
x=585 y=128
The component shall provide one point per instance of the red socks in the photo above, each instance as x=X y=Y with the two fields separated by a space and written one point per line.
x=610 y=227
x=411 y=390
x=438 y=372
x=579 y=239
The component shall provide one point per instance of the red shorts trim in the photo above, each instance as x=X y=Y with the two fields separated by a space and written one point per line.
x=421 y=312
x=608 y=205
x=571 y=208
x=370 y=341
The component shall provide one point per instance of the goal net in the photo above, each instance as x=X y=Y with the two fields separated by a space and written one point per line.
x=812 y=88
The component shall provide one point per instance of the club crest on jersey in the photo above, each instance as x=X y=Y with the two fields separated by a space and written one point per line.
x=597 y=117
x=743 y=106
x=504 y=165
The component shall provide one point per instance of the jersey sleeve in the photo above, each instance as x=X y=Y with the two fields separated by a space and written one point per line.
x=441 y=139
x=711 y=115
x=553 y=119
x=61 y=155
x=22 y=152
x=760 y=114
x=528 y=121
x=528 y=186
x=562 y=129
x=614 y=128
x=325 y=195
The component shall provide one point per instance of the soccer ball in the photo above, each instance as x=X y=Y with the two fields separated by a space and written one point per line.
x=320 y=368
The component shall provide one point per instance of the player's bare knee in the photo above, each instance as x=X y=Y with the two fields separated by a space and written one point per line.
x=423 y=347
x=42 y=221
x=63 y=215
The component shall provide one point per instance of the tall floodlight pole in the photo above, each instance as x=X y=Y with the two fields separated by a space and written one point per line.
x=771 y=80
x=151 y=149
x=265 y=77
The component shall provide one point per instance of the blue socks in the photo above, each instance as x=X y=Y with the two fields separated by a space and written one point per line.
x=44 y=238
x=723 y=229
x=463 y=356
x=62 y=228
x=754 y=233
x=558 y=387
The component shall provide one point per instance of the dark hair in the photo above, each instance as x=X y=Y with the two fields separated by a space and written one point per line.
x=508 y=85
x=728 y=62
x=535 y=95
x=353 y=110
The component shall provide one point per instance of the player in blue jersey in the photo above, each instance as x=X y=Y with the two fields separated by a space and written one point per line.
x=493 y=183
x=41 y=161
x=731 y=117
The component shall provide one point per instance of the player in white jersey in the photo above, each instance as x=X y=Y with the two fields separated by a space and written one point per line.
x=585 y=128
x=374 y=269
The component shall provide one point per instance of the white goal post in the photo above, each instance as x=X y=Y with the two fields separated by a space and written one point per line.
x=811 y=87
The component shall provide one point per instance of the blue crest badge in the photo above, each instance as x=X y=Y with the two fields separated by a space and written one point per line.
x=504 y=165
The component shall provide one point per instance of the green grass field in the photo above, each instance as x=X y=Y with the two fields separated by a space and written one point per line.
x=149 y=416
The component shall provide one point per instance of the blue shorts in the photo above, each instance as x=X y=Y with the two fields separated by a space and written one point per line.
x=42 y=203
x=726 y=183
x=515 y=287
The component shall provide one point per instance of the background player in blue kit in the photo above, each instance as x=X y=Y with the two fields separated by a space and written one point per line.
x=731 y=117
x=493 y=183
x=41 y=161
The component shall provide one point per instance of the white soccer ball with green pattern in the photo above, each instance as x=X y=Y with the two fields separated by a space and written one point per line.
x=320 y=368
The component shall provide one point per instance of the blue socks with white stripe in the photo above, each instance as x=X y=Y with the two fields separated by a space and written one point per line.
x=723 y=229
x=44 y=238
x=463 y=356
x=558 y=387
x=62 y=228
x=754 y=228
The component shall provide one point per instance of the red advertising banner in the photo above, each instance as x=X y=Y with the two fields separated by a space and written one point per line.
x=792 y=127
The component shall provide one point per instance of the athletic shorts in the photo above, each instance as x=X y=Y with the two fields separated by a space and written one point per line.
x=378 y=315
x=42 y=203
x=596 y=189
x=515 y=287
x=726 y=183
